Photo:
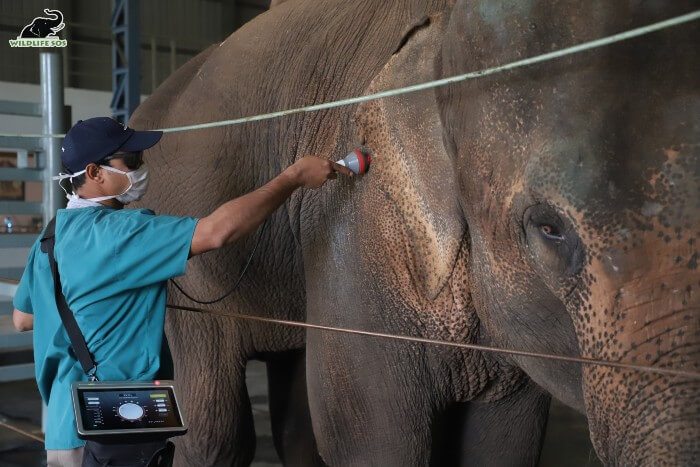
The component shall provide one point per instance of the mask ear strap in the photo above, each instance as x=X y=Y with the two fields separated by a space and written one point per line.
x=60 y=183
x=62 y=176
x=112 y=169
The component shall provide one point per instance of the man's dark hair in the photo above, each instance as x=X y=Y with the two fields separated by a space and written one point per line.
x=79 y=181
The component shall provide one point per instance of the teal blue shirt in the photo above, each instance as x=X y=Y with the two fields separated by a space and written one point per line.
x=114 y=267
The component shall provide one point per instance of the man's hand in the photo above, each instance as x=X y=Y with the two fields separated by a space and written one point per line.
x=22 y=321
x=313 y=172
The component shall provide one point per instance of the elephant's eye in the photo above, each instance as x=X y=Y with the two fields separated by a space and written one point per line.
x=551 y=232
x=552 y=241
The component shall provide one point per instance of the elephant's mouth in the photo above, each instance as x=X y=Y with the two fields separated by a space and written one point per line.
x=642 y=418
x=663 y=429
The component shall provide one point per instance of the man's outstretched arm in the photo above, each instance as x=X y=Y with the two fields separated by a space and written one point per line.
x=240 y=216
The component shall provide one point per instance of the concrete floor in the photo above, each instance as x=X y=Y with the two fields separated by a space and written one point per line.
x=20 y=405
x=566 y=443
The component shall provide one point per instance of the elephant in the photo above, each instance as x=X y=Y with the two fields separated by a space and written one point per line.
x=44 y=27
x=551 y=208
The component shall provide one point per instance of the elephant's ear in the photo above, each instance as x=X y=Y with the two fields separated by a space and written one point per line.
x=412 y=166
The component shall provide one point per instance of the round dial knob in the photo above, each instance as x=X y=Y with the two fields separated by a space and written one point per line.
x=130 y=411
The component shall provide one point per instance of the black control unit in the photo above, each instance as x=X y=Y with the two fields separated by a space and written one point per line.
x=127 y=409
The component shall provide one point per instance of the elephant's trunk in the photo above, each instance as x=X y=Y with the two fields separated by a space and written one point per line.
x=650 y=317
x=55 y=19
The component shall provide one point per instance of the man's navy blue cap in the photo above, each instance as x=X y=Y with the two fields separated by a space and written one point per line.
x=94 y=139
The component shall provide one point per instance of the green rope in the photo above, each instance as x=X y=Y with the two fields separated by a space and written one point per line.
x=433 y=84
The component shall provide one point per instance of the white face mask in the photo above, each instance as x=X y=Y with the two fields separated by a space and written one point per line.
x=138 y=184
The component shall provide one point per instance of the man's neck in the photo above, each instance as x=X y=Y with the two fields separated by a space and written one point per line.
x=112 y=203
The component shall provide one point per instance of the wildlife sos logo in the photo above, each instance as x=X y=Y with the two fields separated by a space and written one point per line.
x=41 y=32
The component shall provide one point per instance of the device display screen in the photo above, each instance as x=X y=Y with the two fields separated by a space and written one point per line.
x=118 y=409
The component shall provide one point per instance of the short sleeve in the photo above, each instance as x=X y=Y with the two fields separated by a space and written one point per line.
x=22 y=299
x=149 y=249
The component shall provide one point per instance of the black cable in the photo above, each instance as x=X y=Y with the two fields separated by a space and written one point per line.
x=235 y=286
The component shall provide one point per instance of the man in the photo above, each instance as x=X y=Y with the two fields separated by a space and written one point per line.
x=114 y=265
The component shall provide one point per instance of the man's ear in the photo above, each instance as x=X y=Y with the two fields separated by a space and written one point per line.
x=94 y=172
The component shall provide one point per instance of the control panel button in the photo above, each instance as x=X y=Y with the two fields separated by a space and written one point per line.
x=130 y=411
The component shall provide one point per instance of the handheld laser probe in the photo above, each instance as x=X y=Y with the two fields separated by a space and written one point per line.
x=356 y=161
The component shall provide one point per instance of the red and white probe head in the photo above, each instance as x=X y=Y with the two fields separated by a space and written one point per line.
x=356 y=161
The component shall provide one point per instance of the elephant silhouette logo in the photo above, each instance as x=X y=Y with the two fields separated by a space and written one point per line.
x=41 y=32
x=44 y=27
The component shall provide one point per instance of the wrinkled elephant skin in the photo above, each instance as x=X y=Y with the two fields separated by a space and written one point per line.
x=552 y=208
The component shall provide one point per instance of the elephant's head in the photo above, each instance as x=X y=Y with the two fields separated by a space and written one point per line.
x=579 y=180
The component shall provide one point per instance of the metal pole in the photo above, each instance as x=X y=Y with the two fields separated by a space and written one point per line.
x=52 y=115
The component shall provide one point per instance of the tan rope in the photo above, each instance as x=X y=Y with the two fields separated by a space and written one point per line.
x=483 y=348
x=3 y=422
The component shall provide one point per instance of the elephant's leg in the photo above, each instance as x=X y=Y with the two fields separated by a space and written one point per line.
x=210 y=366
x=508 y=432
x=289 y=409
x=369 y=405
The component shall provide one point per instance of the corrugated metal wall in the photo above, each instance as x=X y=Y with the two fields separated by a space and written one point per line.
x=187 y=26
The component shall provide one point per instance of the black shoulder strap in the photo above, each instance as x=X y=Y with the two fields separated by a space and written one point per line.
x=74 y=334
